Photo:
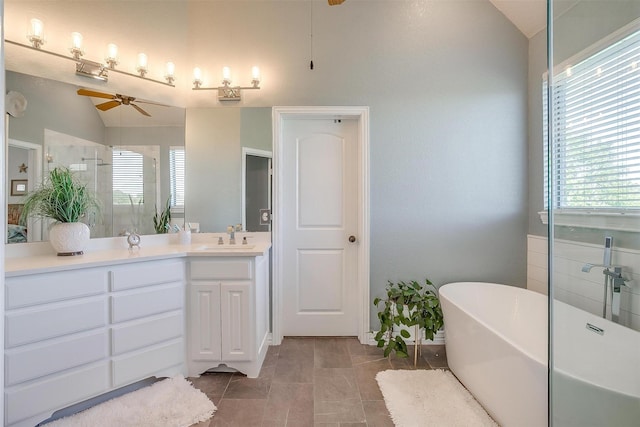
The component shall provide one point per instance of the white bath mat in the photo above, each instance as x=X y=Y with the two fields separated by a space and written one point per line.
x=430 y=398
x=173 y=402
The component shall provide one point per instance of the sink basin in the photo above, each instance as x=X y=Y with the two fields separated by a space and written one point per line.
x=225 y=247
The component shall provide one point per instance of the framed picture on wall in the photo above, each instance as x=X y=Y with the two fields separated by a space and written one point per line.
x=18 y=187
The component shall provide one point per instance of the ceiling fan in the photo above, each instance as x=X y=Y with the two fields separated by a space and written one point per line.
x=335 y=2
x=116 y=100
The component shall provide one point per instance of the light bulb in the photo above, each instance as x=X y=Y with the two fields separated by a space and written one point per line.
x=142 y=60
x=112 y=55
x=76 y=45
x=255 y=73
x=226 y=75
x=171 y=68
x=197 y=77
x=142 y=64
x=37 y=28
x=76 y=40
x=36 y=33
x=170 y=73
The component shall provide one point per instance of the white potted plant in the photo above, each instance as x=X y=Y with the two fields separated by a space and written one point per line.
x=64 y=199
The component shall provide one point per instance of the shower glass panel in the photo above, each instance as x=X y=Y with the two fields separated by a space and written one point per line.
x=591 y=104
x=104 y=169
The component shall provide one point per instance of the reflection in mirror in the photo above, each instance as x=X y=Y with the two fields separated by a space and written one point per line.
x=130 y=159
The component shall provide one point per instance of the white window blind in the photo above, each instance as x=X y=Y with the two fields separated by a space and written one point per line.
x=176 y=171
x=128 y=182
x=596 y=127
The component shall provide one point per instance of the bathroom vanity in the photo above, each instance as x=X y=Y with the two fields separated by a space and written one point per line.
x=80 y=327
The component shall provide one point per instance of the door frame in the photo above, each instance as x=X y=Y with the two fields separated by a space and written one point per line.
x=34 y=177
x=361 y=114
x=248 y=151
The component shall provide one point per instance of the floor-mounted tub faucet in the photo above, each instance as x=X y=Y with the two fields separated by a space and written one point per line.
x=613 y=281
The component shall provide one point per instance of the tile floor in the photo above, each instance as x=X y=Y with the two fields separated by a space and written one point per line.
x=305 y=382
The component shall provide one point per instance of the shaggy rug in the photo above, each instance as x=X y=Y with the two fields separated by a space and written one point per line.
x=173 y=402
x=430 y=398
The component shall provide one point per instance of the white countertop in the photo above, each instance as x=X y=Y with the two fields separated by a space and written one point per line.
x=152 y=248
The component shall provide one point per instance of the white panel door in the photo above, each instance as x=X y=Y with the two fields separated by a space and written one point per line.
x=319 y=200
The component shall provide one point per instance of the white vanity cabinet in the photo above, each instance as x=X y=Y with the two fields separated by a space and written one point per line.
x=228 y=313
x=74 y=334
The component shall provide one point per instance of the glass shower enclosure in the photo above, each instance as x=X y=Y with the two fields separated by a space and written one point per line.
x=125 y=179
x=591 y=121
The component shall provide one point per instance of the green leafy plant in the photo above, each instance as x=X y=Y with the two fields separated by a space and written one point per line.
x=407 y=305
x=62 y=197
x=161 y=220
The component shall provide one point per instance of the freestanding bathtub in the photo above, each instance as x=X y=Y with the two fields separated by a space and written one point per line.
x=496 y=340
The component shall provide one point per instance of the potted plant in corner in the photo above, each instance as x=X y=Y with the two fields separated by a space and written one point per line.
x=64 y=199
x=407 y=305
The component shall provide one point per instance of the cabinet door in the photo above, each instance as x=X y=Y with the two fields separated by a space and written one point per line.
x=205 y=321
x=238 y=321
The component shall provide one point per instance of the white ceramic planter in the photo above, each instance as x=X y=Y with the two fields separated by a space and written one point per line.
x=69 y=238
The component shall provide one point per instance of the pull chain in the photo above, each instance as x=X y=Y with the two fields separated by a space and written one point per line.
x=311 y=35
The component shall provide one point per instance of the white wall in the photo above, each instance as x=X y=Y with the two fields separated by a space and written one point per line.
x=51 y=105
x=446 y=83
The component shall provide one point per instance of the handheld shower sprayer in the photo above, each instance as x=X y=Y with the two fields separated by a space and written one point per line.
x=608 y=243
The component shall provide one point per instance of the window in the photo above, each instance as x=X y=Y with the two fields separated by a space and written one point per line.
x=128 y=183
x=176 y=171
x=596 y=124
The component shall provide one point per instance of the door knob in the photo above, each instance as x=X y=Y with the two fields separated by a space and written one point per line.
x=352 y=239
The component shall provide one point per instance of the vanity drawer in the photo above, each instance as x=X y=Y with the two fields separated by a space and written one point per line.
x=51 y=287
x=35 y=361
x=56 y=392
x=146 y=274
x=154 y=361
x=147 y=332
x=223 y=269
x=146 y=302
x=54 y=320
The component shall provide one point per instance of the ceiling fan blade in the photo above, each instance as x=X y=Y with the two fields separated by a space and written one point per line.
x=335 y=2
x=108 y=105
x=140 y=101
x=140 y=110
x=87 y=92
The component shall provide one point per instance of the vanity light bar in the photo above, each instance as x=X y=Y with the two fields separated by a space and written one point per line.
x=93 y=69
x=226 y=92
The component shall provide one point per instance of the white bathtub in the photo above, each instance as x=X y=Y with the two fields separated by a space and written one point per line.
x=496 y=339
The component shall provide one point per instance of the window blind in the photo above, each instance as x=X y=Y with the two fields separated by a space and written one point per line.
x=176 y=171
x=596 y=128
x=128 y=182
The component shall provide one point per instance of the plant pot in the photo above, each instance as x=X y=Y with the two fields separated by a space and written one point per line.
x=69 y=238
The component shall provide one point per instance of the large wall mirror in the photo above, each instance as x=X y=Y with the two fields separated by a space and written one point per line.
x=134 y=164
x=62 y=128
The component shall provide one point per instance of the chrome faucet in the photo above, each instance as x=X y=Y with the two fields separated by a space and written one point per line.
x=613 y=281
x=231 y=231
